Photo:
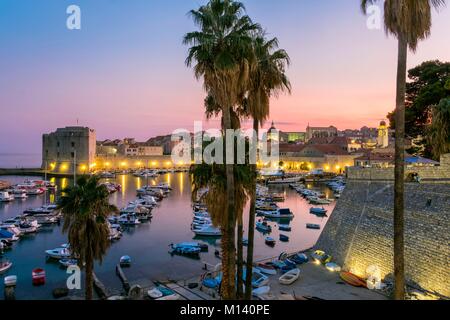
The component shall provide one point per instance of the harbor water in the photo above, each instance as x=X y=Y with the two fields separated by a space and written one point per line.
x=147 y=244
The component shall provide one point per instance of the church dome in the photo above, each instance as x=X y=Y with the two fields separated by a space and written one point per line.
x=383 y=123
x=273 y=129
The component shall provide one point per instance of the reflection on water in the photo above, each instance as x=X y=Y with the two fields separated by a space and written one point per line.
x=148 y=243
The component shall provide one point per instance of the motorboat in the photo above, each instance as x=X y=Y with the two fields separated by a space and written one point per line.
x=12 y=228
x=316 y=200
x=19 y=194
x=289 y=277
x=129 y=220
x=202 y=246
x=313 y=226
x=5 y=266
x=320 y=257
x=190 y=251
x=279 y=214
x=270 y=241
x=299 y=258
x=284 y=227
x=6 y=197
x=5 y=244
x=263 y=227
x=10 y=281
x=68 y=262
x=27 y=227
x=9 y=236
x=318 y=211
x=35 y=191
x=208 y=231
x=58 y=253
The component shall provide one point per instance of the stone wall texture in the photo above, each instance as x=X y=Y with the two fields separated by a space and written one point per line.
x=359 y=232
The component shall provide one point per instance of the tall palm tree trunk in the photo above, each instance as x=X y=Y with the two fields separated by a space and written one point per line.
x=89 y=278
x=251 y=228
x=399 y=188
x=240 y=258
x=228 y=243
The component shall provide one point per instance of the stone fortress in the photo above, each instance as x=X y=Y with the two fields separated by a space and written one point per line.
x=359 y=233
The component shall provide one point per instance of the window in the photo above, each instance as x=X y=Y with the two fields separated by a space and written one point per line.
x=73 y=144
x=57 y=155
x=72 y=154
x=57 y=144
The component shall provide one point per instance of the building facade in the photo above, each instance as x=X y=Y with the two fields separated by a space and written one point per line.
x=70 y=149
x=321 y=132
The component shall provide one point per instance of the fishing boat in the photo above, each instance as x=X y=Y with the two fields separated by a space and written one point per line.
x=318 y=211
x=208 y=231
x=202 y=246
x=58 y=253
x=289 y=277
x=125 y=261
x=284 y=238
x=5 y=266
x=270 y=241
x=6 y=197
x=279 y=214
x=313 y=226
x=263 y=227
x=10 y=281
x=284 y=227
x=38 y=277
x=266 y=268
x=193 y=252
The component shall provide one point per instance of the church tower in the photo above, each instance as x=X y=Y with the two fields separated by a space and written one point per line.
x=383 y=135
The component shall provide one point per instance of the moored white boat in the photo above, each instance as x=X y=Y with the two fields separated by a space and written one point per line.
x=208 y=231
x=290 y=277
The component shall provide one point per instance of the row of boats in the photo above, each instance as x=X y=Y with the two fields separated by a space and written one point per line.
x=26 y=189
x=141 y=173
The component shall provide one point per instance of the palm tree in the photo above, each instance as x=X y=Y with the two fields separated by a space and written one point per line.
x=267 y=79
x=221 y=52
x=85 y=209
x=409 y=21
x=439 y=131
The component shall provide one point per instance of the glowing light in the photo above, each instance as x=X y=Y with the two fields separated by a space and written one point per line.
x=123 y=164
x=327 y=168
x=64 y=167
x=83 y=167
x=107 y=164
x=154 y=163
x=338 y=167
x=93 y=165
x=168 y=163
x=139 y=163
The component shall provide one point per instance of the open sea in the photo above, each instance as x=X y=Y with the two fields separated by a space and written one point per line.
x=148 y=243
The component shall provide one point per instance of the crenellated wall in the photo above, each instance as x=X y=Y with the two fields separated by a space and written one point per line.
x=359 y=232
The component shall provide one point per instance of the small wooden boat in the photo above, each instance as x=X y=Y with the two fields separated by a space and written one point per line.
x=125 y=261
x=10 y=281
x=163 y=293
x=261 y=291
x=284 y=238
x=266 y=268
x=353 y=279
x=5 y=266
x=321 y=257
x=290 y=277
x=38 y=277
x=270 y=241
x=313 y=226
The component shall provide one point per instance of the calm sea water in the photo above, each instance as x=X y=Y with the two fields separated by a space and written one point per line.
x=148 y=243
x=20 y=160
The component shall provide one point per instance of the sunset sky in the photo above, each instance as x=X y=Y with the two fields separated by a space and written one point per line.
x=123 y=73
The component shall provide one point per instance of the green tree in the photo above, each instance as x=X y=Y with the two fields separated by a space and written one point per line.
x=426 y=88
x=220 y=53
x=409 y=21
x=439 y=131
x=85 y=210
